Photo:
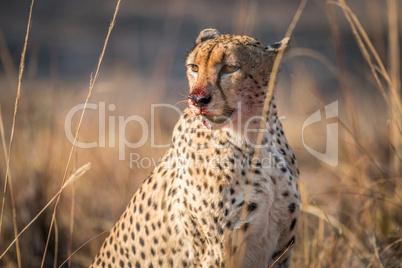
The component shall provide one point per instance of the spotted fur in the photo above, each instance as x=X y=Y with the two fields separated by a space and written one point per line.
x=189 y=211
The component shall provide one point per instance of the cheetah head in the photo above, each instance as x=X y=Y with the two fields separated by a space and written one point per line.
x=228 y=75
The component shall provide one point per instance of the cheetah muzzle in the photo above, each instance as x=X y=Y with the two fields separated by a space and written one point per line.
x=210 y=202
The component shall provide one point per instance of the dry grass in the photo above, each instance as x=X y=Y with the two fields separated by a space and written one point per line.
x=8 y=181
x=351 y=213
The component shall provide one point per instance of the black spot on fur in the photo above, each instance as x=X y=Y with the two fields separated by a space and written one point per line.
x=292 y=225
x=252 y=206
x=292 y=207
x=291 y=242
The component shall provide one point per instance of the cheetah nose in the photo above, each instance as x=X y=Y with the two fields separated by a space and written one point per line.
x=200 y=100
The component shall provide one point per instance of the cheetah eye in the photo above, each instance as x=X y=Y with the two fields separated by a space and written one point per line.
x=194 y=67
x=227 y=69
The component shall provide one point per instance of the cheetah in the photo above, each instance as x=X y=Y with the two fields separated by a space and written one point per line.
x=210 y=202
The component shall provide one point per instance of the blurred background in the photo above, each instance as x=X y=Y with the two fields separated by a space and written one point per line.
x=351 y=210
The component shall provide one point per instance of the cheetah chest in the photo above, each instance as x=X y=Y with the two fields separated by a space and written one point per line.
x=221 y=192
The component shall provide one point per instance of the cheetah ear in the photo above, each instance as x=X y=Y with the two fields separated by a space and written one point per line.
x=206 y=35
x=277 y=46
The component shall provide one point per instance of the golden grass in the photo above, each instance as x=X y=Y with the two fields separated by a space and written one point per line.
x=77 y=174
x=73 y=147
x=395 y=85
x=8 y=180
x=351 y=214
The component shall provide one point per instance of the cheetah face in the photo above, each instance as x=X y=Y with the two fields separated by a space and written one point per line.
x=228 y=75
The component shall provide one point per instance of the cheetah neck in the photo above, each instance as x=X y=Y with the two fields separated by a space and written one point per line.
x=191 y=138
x=246 y=134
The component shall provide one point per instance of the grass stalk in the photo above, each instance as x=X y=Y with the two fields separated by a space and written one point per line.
x=343 y=77
x=21 y=71
x=56 y=243
x=241 y=16
x=70 y=241
x=395 y=85
x=80 y=247
x=74 y=177
x=363 y=40
x=3 y=140
x=91 y=86
x=270 y=89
